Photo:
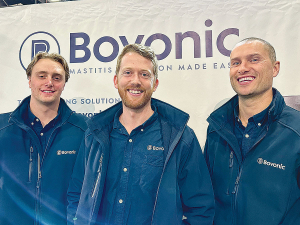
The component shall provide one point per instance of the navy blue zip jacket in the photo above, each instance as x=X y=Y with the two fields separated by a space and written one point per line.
x=184 y=187
x=32 y=192
x=262 y=189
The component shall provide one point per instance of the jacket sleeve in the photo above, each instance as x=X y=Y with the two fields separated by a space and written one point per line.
x=208 y=153
x=298 y=176
x=195 y=186
x=207 y=157
x=75 y=185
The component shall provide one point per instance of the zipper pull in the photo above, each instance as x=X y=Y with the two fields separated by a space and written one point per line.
x=231 y=159
x=236 y=183
x=30 y=164
x=39 y=167
x=100 y=163
x=30 y=155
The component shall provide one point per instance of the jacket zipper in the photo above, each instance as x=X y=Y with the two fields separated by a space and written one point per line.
x=98 y=176
x=37 y=209
x=165 y=164
x=237 y=181
x=235 y=192
x=30 y=164
x=231 y=170
x=38 y=184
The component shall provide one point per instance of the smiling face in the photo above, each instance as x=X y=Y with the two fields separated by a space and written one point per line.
x=135 y=81
x=47 y=81
x=252 y=70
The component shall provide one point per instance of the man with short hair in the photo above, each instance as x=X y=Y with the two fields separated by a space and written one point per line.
x=39 y=141
x=139 y=162
x=253 y=144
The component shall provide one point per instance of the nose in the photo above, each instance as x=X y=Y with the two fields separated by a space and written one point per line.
x=135 y=78
x=243 y=68
x=49 y=82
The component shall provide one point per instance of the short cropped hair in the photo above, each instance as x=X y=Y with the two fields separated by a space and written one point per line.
x=53 y=56
x=142 y=50
x=268 y=46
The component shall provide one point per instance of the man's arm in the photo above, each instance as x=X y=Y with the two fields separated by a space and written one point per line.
x=207 y=158
x=298 y=175
x=75 y=185
x=195 y=186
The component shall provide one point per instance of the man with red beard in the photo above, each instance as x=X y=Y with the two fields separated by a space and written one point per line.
x=139 y=162
x=253 y=144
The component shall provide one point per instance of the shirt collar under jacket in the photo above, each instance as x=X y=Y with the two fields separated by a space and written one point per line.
x=30 y=118
x=117 y=124
x=259 y=119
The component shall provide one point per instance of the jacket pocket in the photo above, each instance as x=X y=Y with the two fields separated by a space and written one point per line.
x=98 y=177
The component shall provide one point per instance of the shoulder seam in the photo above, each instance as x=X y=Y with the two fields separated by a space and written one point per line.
x=2 y=128
x=291 y=128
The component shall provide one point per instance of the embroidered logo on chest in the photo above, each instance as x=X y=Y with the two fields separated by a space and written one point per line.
x=275 y=165
x=151 y=147
x=60 y=152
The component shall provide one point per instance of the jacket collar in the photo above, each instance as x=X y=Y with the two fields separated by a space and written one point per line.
x=224 y=115
x=174 y=116
x=18 y=115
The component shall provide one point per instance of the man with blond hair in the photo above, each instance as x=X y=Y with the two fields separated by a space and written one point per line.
x=39 y=141
x=139 y=162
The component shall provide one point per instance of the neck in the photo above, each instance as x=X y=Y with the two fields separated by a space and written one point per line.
x=45 y=113
x=248 y=107
x=132 y=118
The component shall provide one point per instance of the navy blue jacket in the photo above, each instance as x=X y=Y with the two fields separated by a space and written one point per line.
x=184 y=187
x=33 y=192
x=261 y=189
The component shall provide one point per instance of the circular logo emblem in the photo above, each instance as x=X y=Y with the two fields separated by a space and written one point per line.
x=260 y=161
x=58 y=152
x=37 y=42
x=149 y=147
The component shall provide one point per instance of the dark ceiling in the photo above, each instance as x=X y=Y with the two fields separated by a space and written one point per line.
x=5 y=3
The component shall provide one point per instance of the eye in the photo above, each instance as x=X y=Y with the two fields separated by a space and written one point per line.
x=145 y=75
x=254 y=60
x=235 y=63
x=126 y=73
x=57 y=78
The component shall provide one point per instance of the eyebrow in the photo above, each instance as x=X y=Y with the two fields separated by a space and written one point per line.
x=45 y=72
x=130 y=68
x=255 y=54
x=247 y=56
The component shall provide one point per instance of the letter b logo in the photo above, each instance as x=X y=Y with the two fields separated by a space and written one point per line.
x=39 y=46
x=37 y=42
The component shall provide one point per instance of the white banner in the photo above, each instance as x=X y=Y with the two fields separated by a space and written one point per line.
x=192 y=40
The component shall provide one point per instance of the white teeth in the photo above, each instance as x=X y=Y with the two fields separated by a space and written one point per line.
x=48 y=91
x=135 y=91
x=246 y=79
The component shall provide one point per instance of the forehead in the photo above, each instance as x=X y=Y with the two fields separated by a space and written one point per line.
x=134 y=59
x=46 y=64
x=249 y=48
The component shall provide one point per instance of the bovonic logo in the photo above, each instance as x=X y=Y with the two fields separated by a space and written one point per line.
x=81 y=48
x=265 y=162
x=151 y=147
x=37 y=42
x=60 y=152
